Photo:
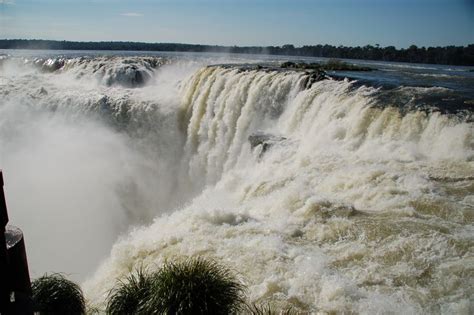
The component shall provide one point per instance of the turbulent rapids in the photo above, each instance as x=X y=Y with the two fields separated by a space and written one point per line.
x=325 y=195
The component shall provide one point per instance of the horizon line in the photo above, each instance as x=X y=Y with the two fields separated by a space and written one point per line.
x=229 y=46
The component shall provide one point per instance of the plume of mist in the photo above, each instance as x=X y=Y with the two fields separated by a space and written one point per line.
x=61 y=186
x=80 y=172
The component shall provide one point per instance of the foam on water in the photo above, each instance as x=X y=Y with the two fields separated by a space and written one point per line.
x=358 y=207
x=333 y=218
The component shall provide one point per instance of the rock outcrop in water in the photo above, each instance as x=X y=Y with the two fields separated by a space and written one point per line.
x=312 y=73
x=129 y=76
x=313 y=77
x=264 y=139
x=331 y=65
x=50 y=65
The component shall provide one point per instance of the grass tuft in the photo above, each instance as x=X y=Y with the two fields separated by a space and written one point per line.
x=54 y=294
x=129 y=295
x=194 y=286
x=191 y=286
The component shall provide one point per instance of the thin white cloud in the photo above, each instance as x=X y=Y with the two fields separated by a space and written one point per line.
x=7 y=2
x=132 y=14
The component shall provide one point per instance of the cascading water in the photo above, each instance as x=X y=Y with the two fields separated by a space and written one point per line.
x=343 y=204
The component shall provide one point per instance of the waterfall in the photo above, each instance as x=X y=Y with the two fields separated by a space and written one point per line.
x=322 y=195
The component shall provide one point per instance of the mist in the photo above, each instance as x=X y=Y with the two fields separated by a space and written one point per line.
x=78 y=173
x=62 y=183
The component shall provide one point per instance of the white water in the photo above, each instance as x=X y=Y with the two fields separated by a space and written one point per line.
x=359 y=209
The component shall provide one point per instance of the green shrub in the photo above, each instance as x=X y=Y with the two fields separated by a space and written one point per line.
x=129 y=295
x=54 y=294
x=194 y=286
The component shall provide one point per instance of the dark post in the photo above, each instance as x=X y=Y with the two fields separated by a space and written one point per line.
x=4 y=290
x=15 y=286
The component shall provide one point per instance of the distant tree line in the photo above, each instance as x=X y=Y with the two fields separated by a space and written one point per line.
x=449 y=55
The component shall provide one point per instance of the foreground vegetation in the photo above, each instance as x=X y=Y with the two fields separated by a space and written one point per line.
x=129 y=295
x=189 y=286
x=192 y=286
x=449 y=55
x=54 y=294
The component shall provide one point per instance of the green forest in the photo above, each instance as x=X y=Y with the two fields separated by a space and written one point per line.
x=449 y=55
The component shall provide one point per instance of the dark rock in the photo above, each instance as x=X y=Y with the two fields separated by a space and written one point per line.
x=288 y=64
x=265 y=140
x=338 y=65
x=52 y=65
x=141 y=77
x=313 y=77
x=331 y=65
x=297 y=233
x=42 y=91
x=301 y=65
x=129 y=76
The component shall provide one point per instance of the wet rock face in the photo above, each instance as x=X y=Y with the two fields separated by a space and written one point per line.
x=128 y=76
x=330 y=65
x=42 y=91
x=313 y=77
x=313 y=72
x=50 y=65
x=265 y=140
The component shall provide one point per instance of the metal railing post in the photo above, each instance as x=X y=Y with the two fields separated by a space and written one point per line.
x=4 y=282
x=15 y=285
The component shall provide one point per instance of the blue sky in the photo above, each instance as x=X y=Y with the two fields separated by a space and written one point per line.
x=244 y=22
